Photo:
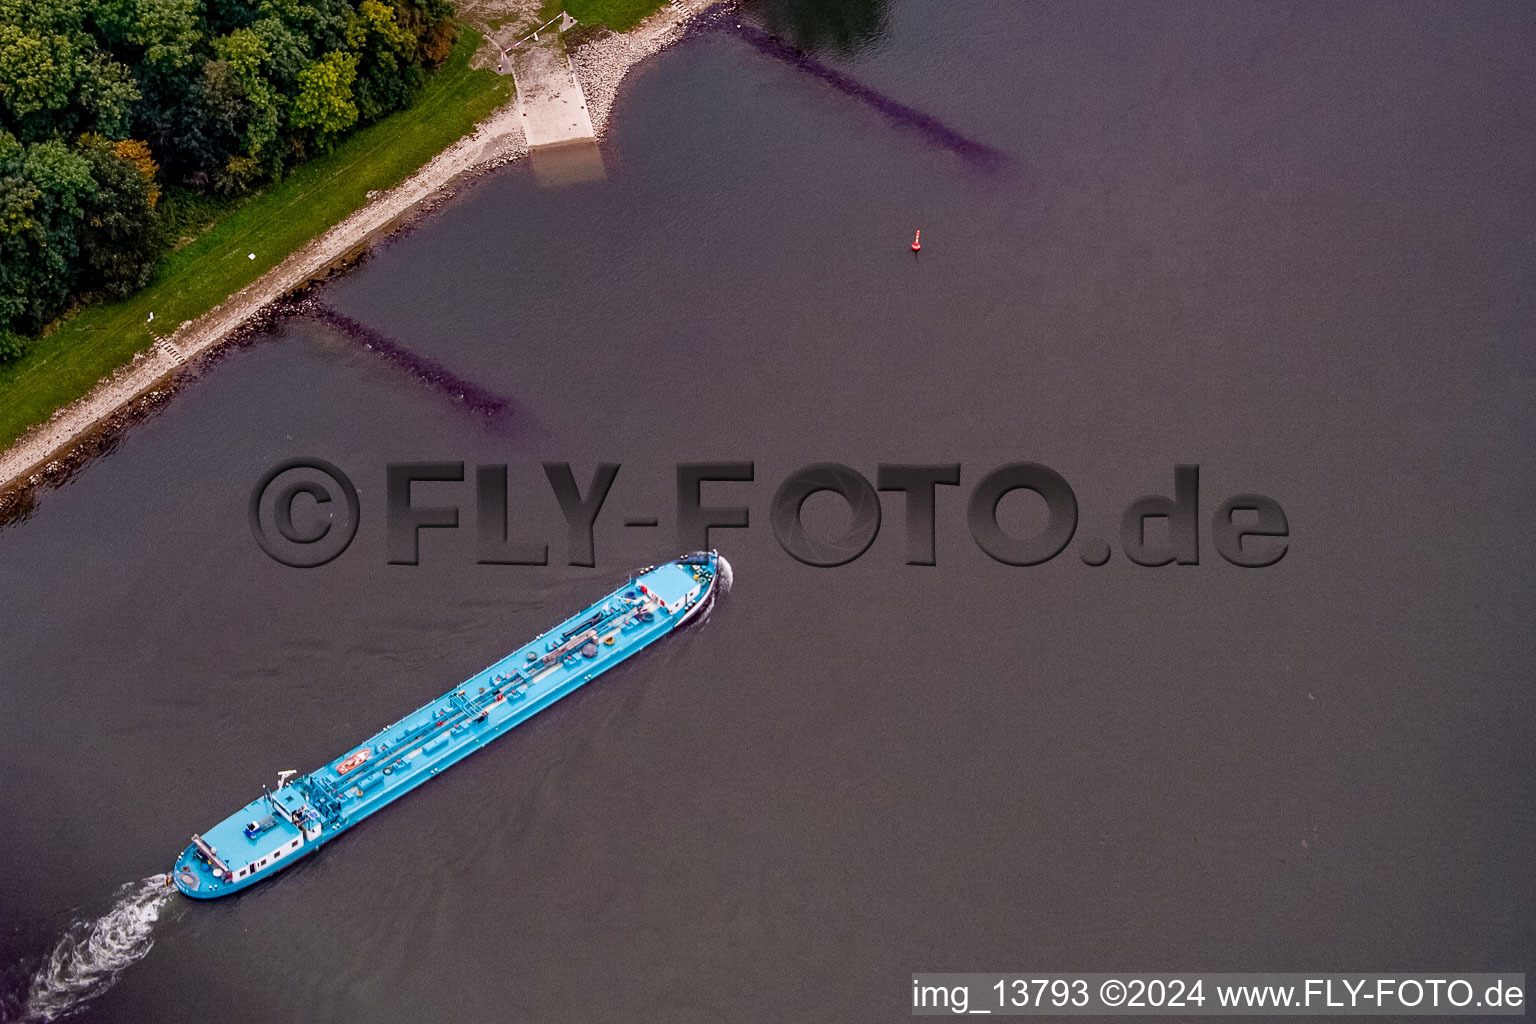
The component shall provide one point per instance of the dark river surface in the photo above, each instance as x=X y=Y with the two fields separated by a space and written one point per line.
x=1292 y=243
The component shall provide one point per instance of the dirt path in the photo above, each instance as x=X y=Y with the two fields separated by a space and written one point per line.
x=40 y=455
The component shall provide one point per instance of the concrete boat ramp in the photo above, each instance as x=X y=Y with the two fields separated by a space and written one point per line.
x=562 y=145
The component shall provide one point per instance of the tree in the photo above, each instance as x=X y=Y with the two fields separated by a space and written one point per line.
x=246 y=54
x=118 y=236
x=163 y=37
x=287 y=52
x=18 y=228
x=324 y=106
x=38 y=72
x=107 y=94
x=12 y=345
x=213 y=117
x=43 y=189
x=387 y=55
x=138 y=154
x=437 y=44
x=390 y=71
x=321 y=24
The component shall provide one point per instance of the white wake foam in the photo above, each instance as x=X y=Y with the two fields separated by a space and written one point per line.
x=726 y=576
x=92 y=953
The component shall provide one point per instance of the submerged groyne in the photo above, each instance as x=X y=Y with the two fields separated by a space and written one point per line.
x=460 y=390
x=978 y=155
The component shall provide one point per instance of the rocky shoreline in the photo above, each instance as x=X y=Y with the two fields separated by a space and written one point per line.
x=51 y=452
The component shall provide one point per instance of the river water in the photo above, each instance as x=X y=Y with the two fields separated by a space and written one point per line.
x=1291 y=243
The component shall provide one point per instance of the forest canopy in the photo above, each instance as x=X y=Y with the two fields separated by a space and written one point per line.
x=107 y=106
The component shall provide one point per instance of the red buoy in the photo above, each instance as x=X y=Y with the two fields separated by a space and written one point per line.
x=917 y=242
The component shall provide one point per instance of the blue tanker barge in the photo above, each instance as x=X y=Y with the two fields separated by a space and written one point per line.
x=283 y=825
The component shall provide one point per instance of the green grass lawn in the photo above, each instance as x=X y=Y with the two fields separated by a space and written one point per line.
x=192 y=280
x=619 y=15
